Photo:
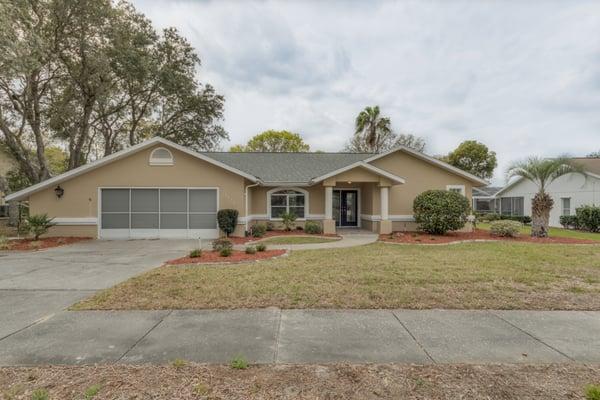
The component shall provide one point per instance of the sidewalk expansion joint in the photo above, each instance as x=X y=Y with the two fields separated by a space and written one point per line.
x=145 y=334
x=414 y=338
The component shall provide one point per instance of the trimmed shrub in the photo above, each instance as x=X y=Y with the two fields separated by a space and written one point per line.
x=195 y=253
x=259 y=230
x=505 y=228
x=261 y=247
x=588 y=218
x=39 y=224
x=569 y=221
x=312 y=227
x=220 y=244
x=440 y=211
x=288 y=220
x=227 y=219
x=225 y=252
x=250 y=250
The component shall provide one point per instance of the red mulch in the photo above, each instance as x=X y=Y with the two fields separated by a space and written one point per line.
x=43 y=243
x=269 y=234
x=477 y=234
x=236 y=256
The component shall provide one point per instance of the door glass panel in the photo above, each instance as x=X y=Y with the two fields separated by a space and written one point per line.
x=173 y=200
x=173 y=221
x=203 y=200
x=336 y=207
x=144 y=200
x=350 y=207
x=144 y=221
x=115 y=200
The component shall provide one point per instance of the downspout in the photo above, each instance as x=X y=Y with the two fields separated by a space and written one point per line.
x=246 y=204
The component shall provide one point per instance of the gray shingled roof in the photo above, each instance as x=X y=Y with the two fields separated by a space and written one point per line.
x=287 y=167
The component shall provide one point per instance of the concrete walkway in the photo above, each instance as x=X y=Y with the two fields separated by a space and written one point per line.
x=307 y=336
x=350 y=238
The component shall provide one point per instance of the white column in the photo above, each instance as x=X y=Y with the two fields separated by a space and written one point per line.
x=328 y=202
x=384 y=194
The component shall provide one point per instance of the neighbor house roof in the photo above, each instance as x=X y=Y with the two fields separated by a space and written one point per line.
x=487 y=191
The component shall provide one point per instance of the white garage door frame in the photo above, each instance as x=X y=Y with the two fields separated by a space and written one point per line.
x=156 y=233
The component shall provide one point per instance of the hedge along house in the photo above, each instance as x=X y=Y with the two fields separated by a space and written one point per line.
x=158 y=189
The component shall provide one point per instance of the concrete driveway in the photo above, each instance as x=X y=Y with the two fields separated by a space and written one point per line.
x=35 y=285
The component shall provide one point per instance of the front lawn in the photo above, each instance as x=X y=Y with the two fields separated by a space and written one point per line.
x=297 y=240
x=491 y=275
x=554 y=232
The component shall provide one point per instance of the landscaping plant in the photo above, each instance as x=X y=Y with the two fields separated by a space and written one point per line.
x=588 y=218
x=227 y=219
x=312 y=227
x=259 y=230
x=592 y=392
x=225 y=252
x=288 y=220
x=220 y=244
x=440 y=211
x=569 y=221
x=239 y=362
x=505 y=228
x=542 y=172
x=196 y=253
x=250 y=250
x=39 y=224
x=261 y=247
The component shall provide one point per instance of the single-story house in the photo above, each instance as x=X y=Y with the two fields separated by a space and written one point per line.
x=568 y=192
x=160 y=189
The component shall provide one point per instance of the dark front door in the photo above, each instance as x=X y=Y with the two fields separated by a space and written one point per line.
x=348 y=207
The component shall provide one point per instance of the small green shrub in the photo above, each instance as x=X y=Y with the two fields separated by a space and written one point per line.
x=178 y=363
x=4 y=244
x=220 y=244
x=569 y=221
x=259 y=230
x=196 y=253
x=588 y=218
x=261 y=247
x=250 y=250
x=39 y=224
x=312 y=227
x=91 y=392
x=288 y=220
x=440 y=211
x=239 y=362
x=39 y=394
x=592 y=392
x=227 y=219
x=505 y=228
x=225 y=252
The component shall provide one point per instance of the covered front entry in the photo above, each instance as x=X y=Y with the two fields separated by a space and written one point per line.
x=148 y=213
x=346 y=208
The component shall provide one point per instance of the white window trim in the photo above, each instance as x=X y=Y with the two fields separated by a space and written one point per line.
x=460 y=187
x=161 y=161
x=562 y=206
x=277 y=189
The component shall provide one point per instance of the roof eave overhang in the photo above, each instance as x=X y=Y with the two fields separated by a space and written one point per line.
x=360 y=164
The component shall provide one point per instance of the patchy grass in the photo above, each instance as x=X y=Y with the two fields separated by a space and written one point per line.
x=491 y=275
x=297 y=240
x=554 y=232
x=333 y=381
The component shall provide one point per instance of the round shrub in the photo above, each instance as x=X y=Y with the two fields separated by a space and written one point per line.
x=261 y=247
x=196 y=253
x=588 y=218
x=220 y=244
x=225 y=252
x=259 y=230
x=312 y=227
x=505 y=228
x=440 y=211
x=227 y=219
x=250 y=250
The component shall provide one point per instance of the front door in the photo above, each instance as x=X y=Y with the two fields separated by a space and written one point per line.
x=345 y=207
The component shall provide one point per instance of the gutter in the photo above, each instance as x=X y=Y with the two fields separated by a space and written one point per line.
x=246 y=204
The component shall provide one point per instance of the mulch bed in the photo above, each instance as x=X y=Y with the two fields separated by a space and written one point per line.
x=43 y=243
x=270 y=234
x=303 y=382
x=235 y=257
x=477 y=234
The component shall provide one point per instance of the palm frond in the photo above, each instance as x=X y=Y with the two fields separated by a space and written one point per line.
x=543 y=171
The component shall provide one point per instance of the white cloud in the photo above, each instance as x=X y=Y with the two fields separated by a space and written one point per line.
x=521 y=77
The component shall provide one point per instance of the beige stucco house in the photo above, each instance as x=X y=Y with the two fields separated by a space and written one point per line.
x=160 y=189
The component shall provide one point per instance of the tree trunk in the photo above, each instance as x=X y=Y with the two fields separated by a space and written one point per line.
x=541 y=204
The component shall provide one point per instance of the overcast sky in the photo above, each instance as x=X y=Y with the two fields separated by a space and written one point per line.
x=521 y=77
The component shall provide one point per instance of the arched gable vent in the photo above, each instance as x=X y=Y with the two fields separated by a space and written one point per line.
x=161 y=156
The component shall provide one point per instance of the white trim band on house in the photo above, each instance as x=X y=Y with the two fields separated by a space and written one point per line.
x=76 y=221
x=393 y=218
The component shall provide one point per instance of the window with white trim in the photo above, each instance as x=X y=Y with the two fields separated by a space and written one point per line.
x=161 y=156
x=456 y=188
x=287 y=201
x=566 y=205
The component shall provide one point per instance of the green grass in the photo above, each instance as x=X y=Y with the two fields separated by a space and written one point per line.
x=554 y=232
x=491 y=275
x=297 y=240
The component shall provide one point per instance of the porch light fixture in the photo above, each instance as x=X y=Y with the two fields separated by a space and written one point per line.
x=349 y=182
x=59 y=191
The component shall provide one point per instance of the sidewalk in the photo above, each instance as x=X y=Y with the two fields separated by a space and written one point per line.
x=307 y=336
x=350 y=238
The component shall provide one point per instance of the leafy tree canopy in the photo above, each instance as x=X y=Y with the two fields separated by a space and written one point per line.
x=473 y=157
x=595 y=154
x=274 y=141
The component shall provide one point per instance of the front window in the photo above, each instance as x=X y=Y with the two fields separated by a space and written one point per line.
x=566 y=205
x=287 y=201
x=511 y=206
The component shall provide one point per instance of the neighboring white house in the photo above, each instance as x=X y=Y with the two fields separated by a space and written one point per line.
x=568 y=192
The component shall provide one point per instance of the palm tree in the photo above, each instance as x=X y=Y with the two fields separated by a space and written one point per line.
x=372 y=129
x=542 y=172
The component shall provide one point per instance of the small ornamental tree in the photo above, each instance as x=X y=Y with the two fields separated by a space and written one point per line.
x=440 y=211
x=39 y=224
x=227 y=219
